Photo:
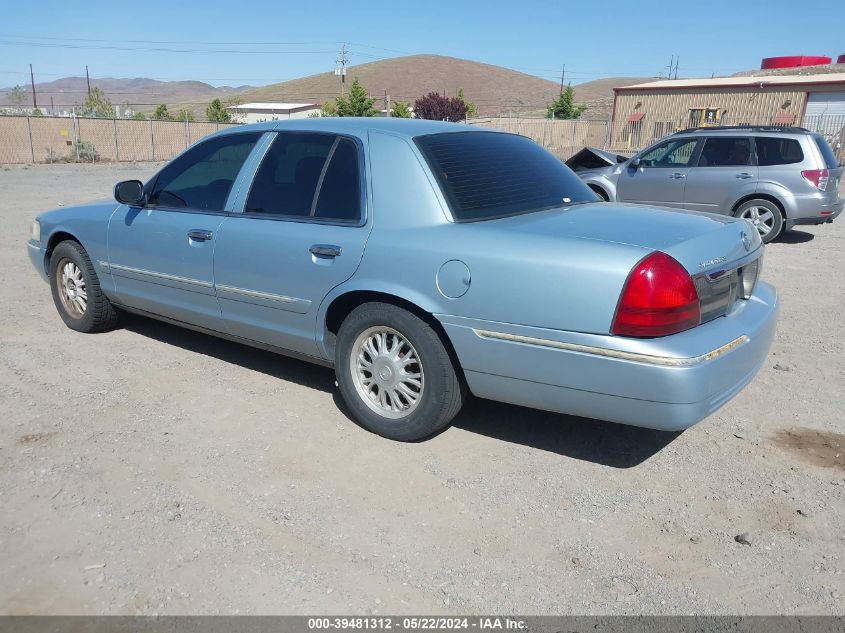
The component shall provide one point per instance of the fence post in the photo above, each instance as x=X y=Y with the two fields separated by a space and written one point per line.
x=76 y=136
x=186 y=130
x=152 y=143
x=31 y=148
x=116 y=150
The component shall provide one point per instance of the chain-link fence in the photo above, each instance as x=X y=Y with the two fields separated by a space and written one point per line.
x=565 y=137
x=42 y=139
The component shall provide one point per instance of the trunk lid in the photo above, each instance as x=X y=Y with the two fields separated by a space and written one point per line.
x=701 y=242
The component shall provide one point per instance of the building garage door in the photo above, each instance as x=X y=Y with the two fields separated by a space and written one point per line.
x=825 y=113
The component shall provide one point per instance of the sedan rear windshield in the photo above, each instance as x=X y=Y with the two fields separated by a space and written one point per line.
x=486 y=175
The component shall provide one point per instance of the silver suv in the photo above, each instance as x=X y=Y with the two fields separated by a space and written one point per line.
x=776 y=177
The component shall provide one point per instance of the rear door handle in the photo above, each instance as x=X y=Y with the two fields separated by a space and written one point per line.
x=677 y=176
x=200 y=235
x=325 y=250
x=744 y=176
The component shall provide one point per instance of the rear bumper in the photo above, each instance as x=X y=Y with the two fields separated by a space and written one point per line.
x=668 y=383
x=812 y=209
x=822 y=214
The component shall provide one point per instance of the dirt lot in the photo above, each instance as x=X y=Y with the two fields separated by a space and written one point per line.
x=155 y=470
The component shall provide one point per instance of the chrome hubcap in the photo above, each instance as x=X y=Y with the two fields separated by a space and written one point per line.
x=72 y=289
x=387 y=372
x=762 y=218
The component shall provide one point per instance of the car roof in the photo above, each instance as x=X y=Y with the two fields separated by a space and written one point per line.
x=359 y=126
x=743 y=129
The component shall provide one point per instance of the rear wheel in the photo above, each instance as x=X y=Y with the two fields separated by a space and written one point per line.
x=76 y=290
x=600 y=192
x=764 y=215
x=395 y=374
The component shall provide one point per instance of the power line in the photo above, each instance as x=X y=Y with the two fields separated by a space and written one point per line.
x=162 y=50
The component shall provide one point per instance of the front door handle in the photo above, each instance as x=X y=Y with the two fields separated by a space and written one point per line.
x=744 y=176
x=325 y=250
x=677 y=176
x=200 y=235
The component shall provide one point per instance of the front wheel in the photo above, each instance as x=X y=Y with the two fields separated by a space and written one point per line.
x=76 y=290
x=395 y=374
x=764 y=215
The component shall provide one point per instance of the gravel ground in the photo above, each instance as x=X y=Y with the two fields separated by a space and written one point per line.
x=156 y=470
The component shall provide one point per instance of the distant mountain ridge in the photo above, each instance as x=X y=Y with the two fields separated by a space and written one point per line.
x=140 y=93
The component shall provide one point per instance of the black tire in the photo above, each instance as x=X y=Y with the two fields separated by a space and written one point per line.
x=442 y=388
x=772 y=211
x=601 y=193
x=98 y=314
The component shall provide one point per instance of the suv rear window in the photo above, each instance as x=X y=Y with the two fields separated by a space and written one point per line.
x=826 y=152
x=777 y=151
x=486 y=175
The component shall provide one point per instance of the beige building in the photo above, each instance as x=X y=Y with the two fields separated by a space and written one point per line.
x=258 y=112
x=655 y=109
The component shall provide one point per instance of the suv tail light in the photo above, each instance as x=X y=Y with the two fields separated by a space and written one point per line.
x=659 y=298
x=817 y=177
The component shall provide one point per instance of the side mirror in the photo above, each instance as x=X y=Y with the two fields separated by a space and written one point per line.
x=130 y=192
x=635 y=162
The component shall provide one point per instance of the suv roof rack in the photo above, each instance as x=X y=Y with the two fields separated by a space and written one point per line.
x=789 y=129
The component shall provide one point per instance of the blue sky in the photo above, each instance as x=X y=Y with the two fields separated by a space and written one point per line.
x=274 y=41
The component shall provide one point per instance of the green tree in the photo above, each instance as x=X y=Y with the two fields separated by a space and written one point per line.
x=401 y=110
x=186 y=115
x=139 y=116
x=97 y=104
x=328 y=109
x=472 y=111
x=358 y=103
x=17 y=96
x=216 y=111
x=564 y=106
x=161 y=113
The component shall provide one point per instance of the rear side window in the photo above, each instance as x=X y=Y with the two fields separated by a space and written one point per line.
x=340 y=192
x=287 y=179
x=486 y=175
x=827 y=153
x=777 y=151
x=725 y=152
x=202 y=177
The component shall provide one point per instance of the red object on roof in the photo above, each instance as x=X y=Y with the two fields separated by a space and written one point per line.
x=793 y=61
x=840 y=59
x=637 y=116
x=784 y=118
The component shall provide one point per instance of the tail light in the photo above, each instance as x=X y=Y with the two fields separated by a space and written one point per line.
x=817 y=177
x=659 y=298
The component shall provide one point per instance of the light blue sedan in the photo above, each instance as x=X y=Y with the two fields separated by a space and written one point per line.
x=425 y=260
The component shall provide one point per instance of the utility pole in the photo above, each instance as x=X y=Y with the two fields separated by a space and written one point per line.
x=32 y=80
x=340 y=68
x=387 y=103
x=88 y=80
x=676 y=66
x=562 y=75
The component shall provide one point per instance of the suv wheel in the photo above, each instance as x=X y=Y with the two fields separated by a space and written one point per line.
x=764 y=215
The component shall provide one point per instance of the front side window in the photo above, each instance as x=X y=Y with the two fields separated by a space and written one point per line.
x=725 y=152
x=777 y=151
x=202 y=177
x=487 y=175
x=295 y=167
x=673 y=153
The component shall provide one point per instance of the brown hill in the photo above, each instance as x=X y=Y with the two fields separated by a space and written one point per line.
x=140 y=93
x=495 y=90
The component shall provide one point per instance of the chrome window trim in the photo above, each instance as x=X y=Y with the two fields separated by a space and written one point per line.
x=663 y=361
x=157 y=275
